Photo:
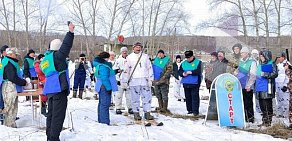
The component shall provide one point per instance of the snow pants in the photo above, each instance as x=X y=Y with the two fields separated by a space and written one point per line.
x=178 y=90
x=79 y=81
x=11 y=103
x=141 y=91
x=267 y=110
x=248 y=105
x=57 y=105
x=119 y=98
x=103 y=106
x=290 y=109
x=282 y=101
x=161 y=91
x=192 y=99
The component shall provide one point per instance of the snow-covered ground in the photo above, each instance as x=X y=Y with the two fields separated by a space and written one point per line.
x=83 y=115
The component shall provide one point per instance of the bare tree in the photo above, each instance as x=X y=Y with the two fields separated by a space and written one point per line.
x=5 y=24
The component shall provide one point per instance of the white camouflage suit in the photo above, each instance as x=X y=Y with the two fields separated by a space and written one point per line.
x=177 y=87
x=282 y=97
x=123 y=88
x=89 y=71
x=141 y=81
x=11 y=103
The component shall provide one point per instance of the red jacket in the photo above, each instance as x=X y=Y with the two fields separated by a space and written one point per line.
x=41 y=77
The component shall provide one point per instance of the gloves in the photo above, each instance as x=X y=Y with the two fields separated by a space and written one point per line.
x=284 y=89
x=27 y=80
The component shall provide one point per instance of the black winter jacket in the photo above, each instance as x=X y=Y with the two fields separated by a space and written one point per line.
x=10 y=74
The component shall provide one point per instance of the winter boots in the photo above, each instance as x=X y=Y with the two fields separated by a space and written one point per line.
x=80 y=94
x=163 y=104
x=137 y=116
x=119 y=112
x=74 y=94
x=148 y=116
x=164 y=107
x=130 y=111
x=44 y=109
x=160 y=104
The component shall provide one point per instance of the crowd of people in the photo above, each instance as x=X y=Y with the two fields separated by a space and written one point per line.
x=134 y=75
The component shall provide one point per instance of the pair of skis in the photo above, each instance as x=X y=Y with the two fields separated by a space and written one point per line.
x=144 y=122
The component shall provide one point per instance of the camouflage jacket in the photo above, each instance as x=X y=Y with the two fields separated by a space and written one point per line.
x=165 y=76
x=289 y=74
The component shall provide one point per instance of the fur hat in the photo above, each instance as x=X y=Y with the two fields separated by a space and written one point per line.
x=189 y=54
x=55 y=44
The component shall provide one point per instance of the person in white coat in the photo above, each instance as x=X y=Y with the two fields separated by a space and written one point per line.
x=140 y=78
x=178 y=90
x=282 y=93
x=123 y=88
x=255 y=56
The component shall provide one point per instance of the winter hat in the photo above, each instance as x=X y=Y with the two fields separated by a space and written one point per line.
x=124 y=49
x=30 y=51
x=214 y=54
x=281 y=54
x=254 y=51
x=104 y=55
x=237 y=45
x=189 y=54
x=12 y=51
x=137 y=44
x=3 y=48
x=244 y=49
x=82 y=55
x=55 y=44
x=160 y=51
x=178 y=56
x=40 y=56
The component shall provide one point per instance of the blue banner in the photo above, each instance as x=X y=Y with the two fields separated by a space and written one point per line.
x=229 y=101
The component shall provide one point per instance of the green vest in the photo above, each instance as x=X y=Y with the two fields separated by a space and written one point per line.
x=47 y=64
x=245 y=66
x=1 y=69
x=161 y=62
x=5 y=61
x=30 y=62
x=190 y=66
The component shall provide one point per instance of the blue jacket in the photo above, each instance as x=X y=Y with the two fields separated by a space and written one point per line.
x=104 y=74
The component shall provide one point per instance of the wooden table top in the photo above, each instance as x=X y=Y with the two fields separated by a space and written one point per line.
x=34 y=92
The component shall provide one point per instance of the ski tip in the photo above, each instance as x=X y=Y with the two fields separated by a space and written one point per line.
x=160 y=124
x=147 y=124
